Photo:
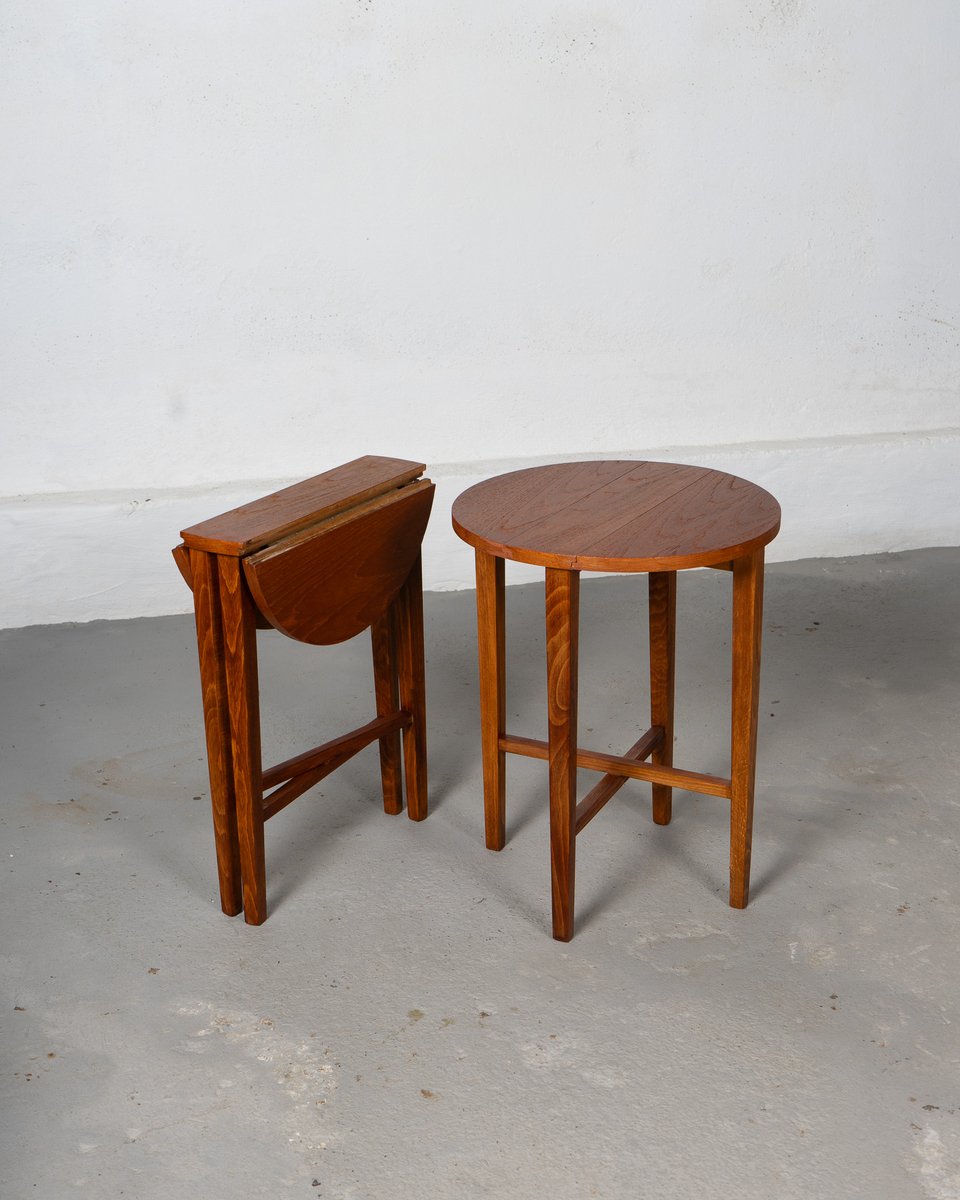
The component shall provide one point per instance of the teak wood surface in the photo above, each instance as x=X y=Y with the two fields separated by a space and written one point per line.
x=251 y=526
x=617 y=516
x=621 y=516
x=320 y=561
x=357 y=562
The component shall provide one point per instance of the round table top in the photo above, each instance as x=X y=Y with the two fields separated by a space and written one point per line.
x=617 y=516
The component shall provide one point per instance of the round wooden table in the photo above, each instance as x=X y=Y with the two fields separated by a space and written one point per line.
x=620 y=516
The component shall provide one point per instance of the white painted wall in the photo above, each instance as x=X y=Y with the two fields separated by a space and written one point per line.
x=245 y=242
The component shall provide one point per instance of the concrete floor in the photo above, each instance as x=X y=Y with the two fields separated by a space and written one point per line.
x=403 y=1026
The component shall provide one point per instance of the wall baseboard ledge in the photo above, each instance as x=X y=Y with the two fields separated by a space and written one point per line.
x=83 y=556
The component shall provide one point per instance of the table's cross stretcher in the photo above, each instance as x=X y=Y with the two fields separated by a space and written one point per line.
x=620 y=768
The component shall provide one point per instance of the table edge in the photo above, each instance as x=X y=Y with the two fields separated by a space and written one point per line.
x=580 y=562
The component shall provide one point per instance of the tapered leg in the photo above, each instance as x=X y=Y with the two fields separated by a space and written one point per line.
x=413 y=694
x=216 y=719
x=385 y=687
x=491 y=643
x=240 y=655
x=563 y=622
x=663 y=637
x=747 y=631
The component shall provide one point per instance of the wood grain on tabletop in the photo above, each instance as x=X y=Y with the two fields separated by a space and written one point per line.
x=617 y=516
x=252 y=526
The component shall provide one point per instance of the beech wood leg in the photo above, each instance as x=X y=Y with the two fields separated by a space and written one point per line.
x=563 y=622
x=491 y=645
x=240 y=655
x=747 y=632
x=385 y=688
x=216 y=720
x=663 y=638
x=409 y=627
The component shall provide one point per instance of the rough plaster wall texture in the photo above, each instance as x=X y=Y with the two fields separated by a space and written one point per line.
x=244 y=243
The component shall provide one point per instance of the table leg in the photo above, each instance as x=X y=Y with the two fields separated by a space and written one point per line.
x=413 y=695
x=663 y=637
x=563 y=624
x=747 y=632
x=491 y=644
x=243 y=697
x=216 y=719
x=383 y=637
